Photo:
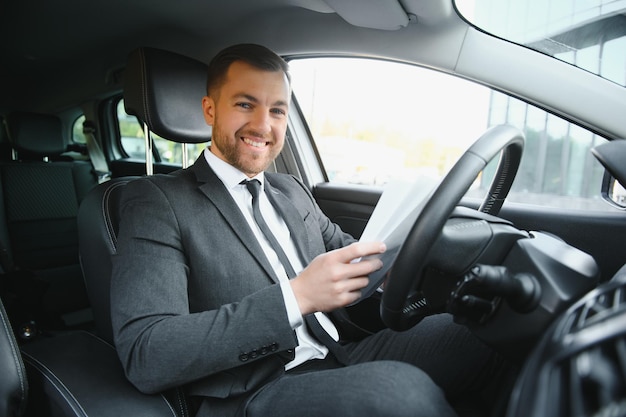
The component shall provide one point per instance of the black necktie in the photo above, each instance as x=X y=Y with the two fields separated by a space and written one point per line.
x=314 y=325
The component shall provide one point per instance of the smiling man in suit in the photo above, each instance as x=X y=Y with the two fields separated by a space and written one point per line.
x=208 y=296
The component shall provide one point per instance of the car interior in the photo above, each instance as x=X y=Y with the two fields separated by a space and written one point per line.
x=542 y=284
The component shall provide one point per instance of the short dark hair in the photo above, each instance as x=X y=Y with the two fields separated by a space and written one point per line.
x=255 y=55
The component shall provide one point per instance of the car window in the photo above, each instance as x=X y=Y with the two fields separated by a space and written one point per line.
x=588 y=34
x=77 y=130
x=373 y=121
x=134 y=145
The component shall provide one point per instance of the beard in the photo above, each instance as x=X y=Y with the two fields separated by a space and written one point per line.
x=249 y=163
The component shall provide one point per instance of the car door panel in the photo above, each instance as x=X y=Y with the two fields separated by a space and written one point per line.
x=349 y=206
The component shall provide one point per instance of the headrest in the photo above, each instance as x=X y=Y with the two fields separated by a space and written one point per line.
x=164 y=90
x=36 y=134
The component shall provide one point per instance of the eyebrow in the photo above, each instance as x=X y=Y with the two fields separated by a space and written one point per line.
x=279 y=103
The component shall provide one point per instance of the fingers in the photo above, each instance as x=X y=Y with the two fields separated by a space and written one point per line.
x=343 y=293
x=359 y=250
x=351 y=285
x=355 y=284
x=333 y=280
x=355 y=259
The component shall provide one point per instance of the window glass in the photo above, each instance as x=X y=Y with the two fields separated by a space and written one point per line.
x=615 y=69
x=133 y=141
x=415 y=121
x=77 y=130
x=588 y=34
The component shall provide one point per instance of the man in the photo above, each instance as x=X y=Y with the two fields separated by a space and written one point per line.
x=201 y=297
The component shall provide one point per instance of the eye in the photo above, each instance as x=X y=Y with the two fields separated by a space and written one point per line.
x=243 y=105
x=278 y=111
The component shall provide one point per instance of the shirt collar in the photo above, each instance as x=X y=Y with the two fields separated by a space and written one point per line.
x=228 y=174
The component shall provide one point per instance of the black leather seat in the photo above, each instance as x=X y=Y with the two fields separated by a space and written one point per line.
x=164 y=90
x=76 y=373
x=62 y=373
x=97 y=225
x=13 y=383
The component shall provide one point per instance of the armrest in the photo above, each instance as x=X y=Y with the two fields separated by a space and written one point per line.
x=78 y=374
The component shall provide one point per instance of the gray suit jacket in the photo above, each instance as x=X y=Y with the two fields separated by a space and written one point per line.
x=194 y=300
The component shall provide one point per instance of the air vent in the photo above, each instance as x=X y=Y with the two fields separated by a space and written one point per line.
x=591 y=375
x=593 y=381
x=597 y=306
x=579 y=367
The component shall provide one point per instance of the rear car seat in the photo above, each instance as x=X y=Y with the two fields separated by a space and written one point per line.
x=40 y=195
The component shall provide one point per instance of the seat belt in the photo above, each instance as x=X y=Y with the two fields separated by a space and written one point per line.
x=96 y=155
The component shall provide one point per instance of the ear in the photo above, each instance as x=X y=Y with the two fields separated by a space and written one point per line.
x=208 y=110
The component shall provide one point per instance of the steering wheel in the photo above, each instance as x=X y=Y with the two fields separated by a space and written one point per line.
x=402 y=308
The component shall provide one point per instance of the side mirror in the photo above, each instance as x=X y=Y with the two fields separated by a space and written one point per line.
x=613 y=192
x=612 y=156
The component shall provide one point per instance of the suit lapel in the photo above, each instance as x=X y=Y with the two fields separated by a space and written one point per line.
x=213 y=188
x=292 y=217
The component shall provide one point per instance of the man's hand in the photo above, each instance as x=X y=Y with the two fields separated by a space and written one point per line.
x=332 y=280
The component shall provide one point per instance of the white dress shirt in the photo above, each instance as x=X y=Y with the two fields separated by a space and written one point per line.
x=308 y=347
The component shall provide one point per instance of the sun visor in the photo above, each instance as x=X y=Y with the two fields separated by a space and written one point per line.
x=374 y=14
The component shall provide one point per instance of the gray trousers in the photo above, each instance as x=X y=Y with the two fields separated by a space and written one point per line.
x=416 y=373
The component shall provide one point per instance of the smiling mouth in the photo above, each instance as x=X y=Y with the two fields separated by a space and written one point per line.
x=256 y=144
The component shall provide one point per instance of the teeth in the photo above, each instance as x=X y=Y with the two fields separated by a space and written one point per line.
x=253 y=143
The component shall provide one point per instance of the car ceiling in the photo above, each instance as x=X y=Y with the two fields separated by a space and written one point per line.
x=56 y=52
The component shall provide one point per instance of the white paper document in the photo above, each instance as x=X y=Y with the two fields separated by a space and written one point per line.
x=392 y=219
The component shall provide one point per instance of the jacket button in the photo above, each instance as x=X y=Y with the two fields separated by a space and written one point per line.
x=254 y=354
x=274 y=347
x=243 y=357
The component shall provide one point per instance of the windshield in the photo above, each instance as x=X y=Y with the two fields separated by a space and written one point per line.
x=588 y=34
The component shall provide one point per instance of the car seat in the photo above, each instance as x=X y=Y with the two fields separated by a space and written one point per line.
x=13 y=384
x=77 y=373
x=42 y=189
x=164 y=90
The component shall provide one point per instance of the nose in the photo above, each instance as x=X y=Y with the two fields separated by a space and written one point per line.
x=261 y=121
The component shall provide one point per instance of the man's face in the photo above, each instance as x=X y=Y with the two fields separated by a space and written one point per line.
x=249 y=117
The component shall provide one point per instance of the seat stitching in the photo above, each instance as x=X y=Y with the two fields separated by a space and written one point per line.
x=49 y=375
x=14 y=352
